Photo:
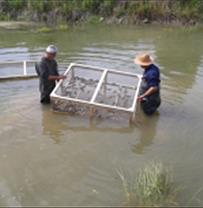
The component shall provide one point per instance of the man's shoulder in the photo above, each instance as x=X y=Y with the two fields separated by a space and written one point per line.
x=153 y=71
x=43 y=60
x=41 y=65
x=54 y=61
x=154 y=67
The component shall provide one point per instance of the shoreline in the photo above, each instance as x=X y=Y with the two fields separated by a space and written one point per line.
x=119 y=12
x=93 y=20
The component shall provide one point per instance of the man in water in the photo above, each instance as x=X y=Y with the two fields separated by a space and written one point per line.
x=47 y=71
x=150 y=88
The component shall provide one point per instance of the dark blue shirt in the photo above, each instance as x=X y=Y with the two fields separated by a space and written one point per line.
x=151 y=76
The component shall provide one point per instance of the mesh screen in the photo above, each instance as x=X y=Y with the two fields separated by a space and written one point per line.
x=76 y=91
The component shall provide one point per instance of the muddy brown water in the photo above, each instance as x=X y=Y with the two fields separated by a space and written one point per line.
x=55 y=159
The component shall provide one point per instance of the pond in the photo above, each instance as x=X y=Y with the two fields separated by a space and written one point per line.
x=55 y=159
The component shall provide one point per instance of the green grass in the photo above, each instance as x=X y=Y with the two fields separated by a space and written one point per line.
x=152 y=186
x=43 y=10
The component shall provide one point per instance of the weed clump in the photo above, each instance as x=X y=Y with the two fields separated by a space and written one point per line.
x=152 y=186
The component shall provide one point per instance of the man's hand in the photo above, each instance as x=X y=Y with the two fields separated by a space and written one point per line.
x=150 y=91
x=139 y=98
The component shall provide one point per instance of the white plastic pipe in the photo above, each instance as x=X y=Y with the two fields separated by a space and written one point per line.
x=24 y=68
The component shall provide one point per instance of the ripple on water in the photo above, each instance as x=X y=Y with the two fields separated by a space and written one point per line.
x=74 y=164
x=95 y=184
x=118 y=57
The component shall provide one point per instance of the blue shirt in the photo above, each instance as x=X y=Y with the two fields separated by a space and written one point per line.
x=151 y=76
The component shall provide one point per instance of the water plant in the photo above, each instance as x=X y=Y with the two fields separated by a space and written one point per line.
x=44 y=30
x=152 y=186
x=62 y=27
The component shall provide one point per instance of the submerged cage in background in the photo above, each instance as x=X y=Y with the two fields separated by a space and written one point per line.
x=99 y=92
x=18 y=70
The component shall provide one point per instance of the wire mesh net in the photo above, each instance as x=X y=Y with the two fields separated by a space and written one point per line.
x=79 y=84
x=84 y=92
x=117 y=90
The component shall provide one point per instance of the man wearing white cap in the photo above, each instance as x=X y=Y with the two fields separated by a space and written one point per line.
x=150 y=87
x=47 y=71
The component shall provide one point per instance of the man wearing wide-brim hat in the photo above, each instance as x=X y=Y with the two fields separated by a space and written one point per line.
x=149 y=95
x=47 y=71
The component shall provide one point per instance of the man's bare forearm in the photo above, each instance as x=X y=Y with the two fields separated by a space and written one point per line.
x=53 y=77
x=150 y=91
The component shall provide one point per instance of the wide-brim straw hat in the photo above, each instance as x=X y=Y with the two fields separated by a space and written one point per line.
x=143 y=59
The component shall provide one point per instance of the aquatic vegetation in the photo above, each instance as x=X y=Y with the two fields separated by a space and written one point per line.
x=44 y=29
x=94 y=19
x=62 y=27
x=152 y=186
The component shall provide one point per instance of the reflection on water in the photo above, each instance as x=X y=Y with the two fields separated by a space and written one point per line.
x=56 y=126
x=50 y=125
x=58 y=159
x=148 y=128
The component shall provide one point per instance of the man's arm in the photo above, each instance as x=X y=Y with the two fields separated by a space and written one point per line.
x=152 y=82
x=56 y=77
x=150 y=91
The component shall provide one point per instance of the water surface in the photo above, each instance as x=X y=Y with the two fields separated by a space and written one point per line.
x=55 y=159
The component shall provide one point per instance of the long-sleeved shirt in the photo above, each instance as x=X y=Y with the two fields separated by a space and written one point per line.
x=44 y=69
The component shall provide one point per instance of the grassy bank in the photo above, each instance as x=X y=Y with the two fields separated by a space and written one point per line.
x=52 y=12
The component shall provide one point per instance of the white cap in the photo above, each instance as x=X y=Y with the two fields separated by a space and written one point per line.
x=51 y=49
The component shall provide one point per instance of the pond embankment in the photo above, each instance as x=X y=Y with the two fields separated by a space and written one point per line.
x=53 y=12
